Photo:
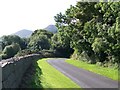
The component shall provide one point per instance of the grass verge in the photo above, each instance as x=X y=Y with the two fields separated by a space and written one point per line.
x=47 y=76
x=108 y=72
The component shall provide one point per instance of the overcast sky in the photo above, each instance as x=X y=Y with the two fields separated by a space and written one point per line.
x=29 y=14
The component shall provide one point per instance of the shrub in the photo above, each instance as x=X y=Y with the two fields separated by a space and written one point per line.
x=99 y=63
x=48 y=53
x=10 y=50
x=3 y=56
x=24 y=52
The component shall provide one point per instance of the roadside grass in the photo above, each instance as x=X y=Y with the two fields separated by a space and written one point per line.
x=108 y=72
x=47 y=76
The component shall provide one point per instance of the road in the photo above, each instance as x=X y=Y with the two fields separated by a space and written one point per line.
x=83 y=78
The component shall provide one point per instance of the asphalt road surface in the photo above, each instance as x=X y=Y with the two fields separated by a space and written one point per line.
x=83 y=78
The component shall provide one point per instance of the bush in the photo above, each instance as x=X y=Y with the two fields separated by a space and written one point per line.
x=24 y=52
x=10 y=50
x=48 y=53
x=3 y=56
x=99 y=63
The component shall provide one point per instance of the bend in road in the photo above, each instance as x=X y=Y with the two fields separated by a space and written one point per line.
x=84 y=78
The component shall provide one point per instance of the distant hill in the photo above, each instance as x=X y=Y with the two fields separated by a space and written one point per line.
x=27 y=33
x=51 y=28
x=24 y=33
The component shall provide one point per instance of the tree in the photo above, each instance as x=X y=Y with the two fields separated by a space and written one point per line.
x=40 y=40
x=9 y=39
x=10 y=50
x=61 y=45
x=93 y=28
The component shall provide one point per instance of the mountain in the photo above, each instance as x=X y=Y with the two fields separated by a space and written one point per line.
x=51 y=28
x=24 y=33
x=27 y=33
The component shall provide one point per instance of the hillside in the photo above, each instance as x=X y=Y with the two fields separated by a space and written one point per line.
x=51 y=28
x=24 y=33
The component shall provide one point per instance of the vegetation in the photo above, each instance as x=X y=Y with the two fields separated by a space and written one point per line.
x=10 y=39
x=46 y=74
x=40 y=40
x=108 y=72
x=92 y=28
x=11 y=45
x=60 y=45
x=10 y=50
x=87 y=31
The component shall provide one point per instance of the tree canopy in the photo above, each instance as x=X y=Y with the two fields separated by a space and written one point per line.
x=93 y=28
x=9 y=39
x=40 y=40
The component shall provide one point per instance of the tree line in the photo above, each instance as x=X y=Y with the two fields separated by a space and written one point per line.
x=92 y=28
x=87 y=28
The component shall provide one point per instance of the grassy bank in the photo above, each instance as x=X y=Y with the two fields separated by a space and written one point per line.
x=108 y=72
x=47 y=76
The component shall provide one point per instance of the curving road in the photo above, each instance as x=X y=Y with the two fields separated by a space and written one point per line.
x=83 y=78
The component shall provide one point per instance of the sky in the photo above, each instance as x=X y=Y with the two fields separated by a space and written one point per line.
x=16 y=15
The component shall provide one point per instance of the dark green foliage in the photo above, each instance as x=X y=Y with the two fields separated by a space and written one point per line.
x=48 y=53
x=90 y=30
x=24 y=52
x=11 y=44
x=93 y=28
x=3 y=56
x=8 y=40
x=31 y=77
x=40 y=40
x=10 y=50
x=61 y=45
x=42 y=32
